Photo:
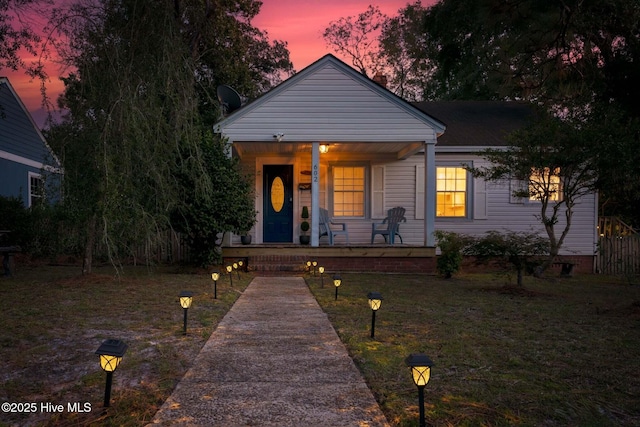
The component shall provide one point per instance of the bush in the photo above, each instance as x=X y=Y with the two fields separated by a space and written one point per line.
x=521 y=251
x=451 y=246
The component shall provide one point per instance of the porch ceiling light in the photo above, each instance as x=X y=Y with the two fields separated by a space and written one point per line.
x=110 y=352
x=324 y=148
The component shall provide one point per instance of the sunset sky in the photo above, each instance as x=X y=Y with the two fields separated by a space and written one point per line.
x=298 y=22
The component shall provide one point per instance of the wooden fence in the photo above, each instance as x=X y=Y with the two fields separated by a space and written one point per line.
x=166 y=247
x=618 y=255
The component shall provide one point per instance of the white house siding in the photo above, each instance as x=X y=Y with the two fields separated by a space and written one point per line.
x=400 y=190
x=329 y=106
x=503 y=215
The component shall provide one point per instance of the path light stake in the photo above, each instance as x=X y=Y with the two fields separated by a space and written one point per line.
x=420 y=366
x=110 y=352
x=337 y=281
x=315 y=264
x=230 y=270
x=240 y=264
x=215 y=276
x=235 y=267
x=185 y=302
x=375 y=301
x=321 y=271
x=309 y=266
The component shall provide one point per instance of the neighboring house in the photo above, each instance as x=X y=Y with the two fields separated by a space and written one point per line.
x=28 y=167
x=381 y=152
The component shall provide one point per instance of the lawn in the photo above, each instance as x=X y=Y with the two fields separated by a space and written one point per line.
x=53 y=320
x=558 y=352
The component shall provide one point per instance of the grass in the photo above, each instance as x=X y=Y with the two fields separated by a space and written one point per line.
x=560 y=352
x=556 y=353
x=54 y=319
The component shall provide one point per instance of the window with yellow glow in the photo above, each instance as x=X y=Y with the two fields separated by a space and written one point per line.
x=348 y=191
x=542 y=183
x=451 y=192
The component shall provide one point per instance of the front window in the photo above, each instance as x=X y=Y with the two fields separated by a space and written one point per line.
x=451 y=192
x=349 y=191
x=544 y=185
x=36 y=189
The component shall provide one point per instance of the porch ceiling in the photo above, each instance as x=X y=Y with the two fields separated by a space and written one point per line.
x=400 y=150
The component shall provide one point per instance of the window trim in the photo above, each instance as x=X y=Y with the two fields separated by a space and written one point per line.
x=469 y=200
x=32 y=195
x=366 y=191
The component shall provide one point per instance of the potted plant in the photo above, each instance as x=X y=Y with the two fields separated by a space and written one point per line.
x=246 y=221
x=304 y=226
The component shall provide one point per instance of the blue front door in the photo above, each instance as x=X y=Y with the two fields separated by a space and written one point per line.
x=278 y=203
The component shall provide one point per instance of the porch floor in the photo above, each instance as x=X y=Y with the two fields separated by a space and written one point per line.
x=282 y=257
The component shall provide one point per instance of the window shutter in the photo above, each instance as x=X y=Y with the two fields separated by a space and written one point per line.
x=377 y=192
x=514 y=186
x=419 y=191
x=480 y=199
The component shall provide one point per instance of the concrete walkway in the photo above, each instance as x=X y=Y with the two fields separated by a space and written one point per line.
x=273 y=360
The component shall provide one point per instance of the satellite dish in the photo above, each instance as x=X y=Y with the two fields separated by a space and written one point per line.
x=229 y=99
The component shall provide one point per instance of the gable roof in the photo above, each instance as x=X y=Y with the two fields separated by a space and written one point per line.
x=478 y=123
x=20 y=139
x=330 y=102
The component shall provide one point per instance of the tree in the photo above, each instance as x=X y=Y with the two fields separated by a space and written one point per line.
x=402 y=50
x=140 y=105
x=356 y=38
x=17 y=36
x=555 y=168
x=229 y=206
x=577 y=58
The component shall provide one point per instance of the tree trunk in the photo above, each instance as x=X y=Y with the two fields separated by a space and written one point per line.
x=520 y=275
x=87 y=261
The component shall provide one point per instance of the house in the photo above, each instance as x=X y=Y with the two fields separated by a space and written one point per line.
x=28 y=166
x=331 y=138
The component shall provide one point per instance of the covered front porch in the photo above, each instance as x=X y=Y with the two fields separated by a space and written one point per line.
x=292 y=258
x=378 y=153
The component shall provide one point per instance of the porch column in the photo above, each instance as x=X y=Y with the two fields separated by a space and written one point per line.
x=429 y=191
x=315 y=194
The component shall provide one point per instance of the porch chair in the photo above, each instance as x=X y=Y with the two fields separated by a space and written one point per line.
x=326 y=230
x=390 y=226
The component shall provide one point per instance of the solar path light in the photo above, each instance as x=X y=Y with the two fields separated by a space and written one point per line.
x=215 y=276
x=420 y=366
x=110 y=352
x=375 y=301
x=186 y=298
x=230 y=270
x=235 y=267
x=321 y=271
x=337 y=281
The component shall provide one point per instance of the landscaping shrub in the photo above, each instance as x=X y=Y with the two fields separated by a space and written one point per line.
x=451 y=246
